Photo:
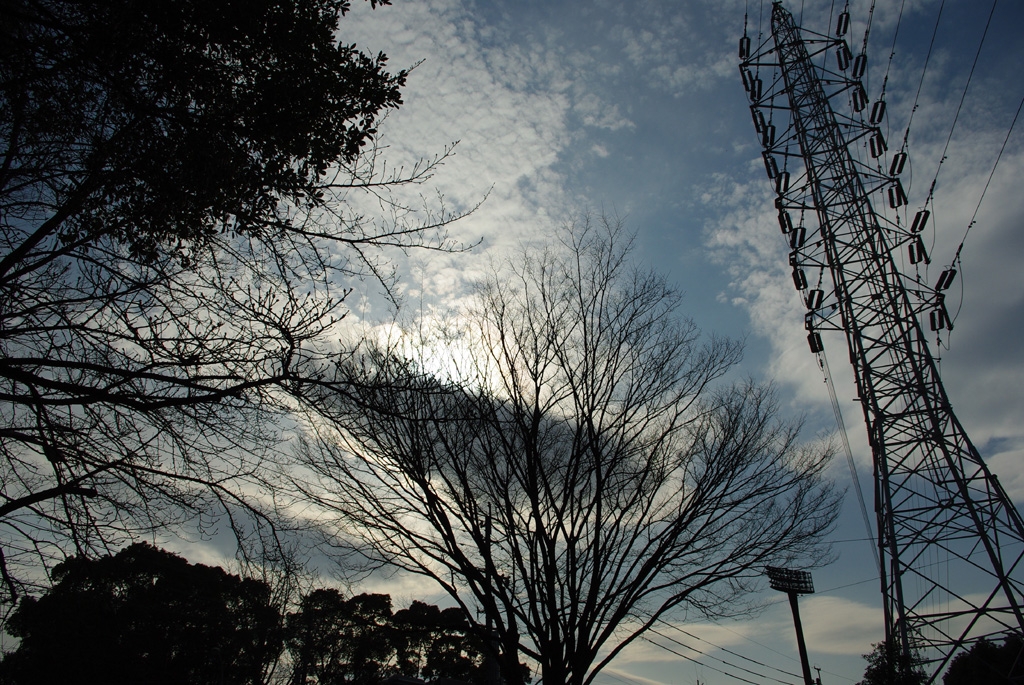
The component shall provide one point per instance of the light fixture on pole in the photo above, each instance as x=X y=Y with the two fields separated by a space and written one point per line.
x=794 y=583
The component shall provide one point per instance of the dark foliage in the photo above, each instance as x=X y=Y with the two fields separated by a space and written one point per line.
x=437 y=643
x=334 y=640
x=887 y=667
x=987 y=663
x=359 y=641
x=166 y=121
x=176 y=229
x=145 y=616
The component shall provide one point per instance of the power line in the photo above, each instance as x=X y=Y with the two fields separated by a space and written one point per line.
x=989 y=181
x=960 y=247
x=700 y=663
x=963 y=97
x=924 y=70
x=727 y=663
x=892 y=50
x=782 y=654
x=851 y=464
x=623 y=679
x=729 y=651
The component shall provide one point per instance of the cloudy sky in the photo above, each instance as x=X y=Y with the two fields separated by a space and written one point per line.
x=636 y=109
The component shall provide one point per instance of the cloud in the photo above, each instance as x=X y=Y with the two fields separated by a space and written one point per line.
x=593 y=112
x=834 y=625
x=676 y=51
x=502 y=103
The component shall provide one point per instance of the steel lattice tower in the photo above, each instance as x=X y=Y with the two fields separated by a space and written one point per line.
x=950 y=540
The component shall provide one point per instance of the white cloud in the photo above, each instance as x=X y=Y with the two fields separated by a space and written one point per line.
x=505 y=106
x=597 y=114
x=834 y=625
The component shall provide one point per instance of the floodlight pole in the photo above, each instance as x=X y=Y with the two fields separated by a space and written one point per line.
x=794 y=583
x=800 y=639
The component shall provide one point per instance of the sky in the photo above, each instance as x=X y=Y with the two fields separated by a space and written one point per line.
x=636 y=109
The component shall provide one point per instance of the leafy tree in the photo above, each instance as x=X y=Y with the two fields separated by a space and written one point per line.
x=163 y=123
x=987 y=663
x=179 y=187
x=438 y=643
x=884 y=667
x=577 y=475
x=358 y=641
x=334 y=640
x=145 y=615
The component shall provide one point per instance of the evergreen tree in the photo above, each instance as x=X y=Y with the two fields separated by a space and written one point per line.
x=145 y=615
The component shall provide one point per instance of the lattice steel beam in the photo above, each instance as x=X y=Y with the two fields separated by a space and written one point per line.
x=951 y=541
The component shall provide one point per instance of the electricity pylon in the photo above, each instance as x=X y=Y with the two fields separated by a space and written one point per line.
x=950 y=540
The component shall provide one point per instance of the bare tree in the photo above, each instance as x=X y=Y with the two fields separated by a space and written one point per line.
x=179 y=185
x=578 y=470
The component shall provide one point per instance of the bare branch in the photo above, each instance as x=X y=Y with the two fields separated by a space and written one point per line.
x=584 y=474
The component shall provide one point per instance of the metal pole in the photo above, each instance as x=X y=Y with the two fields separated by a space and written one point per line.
x=800 y=639
x=793 y=583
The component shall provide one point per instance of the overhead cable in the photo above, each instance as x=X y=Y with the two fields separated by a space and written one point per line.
x=708 y=666
x=963 y=96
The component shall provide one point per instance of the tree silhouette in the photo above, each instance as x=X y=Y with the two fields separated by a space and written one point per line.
x=886 y=666
x=438 y=643
x=987 y=663
x=359 y=641
x=178 y=219
x=145 y=615
x=340 y=641
x=577 y=476
x=160 y=124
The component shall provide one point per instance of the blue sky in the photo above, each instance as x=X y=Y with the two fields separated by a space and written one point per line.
x=636 y=109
